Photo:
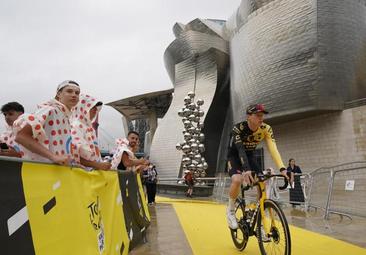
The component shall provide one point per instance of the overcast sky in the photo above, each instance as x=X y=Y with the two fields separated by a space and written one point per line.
x=113 y=49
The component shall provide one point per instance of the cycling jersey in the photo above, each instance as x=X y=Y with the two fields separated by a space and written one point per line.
x=243 y=143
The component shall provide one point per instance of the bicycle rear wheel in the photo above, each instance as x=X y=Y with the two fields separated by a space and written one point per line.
x=240 y=236
x=276 y=239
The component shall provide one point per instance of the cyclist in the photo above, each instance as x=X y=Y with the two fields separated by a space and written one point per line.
x=242 y=166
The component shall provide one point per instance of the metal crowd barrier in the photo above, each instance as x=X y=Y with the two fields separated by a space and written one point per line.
x=339 y=189
x=203 y=186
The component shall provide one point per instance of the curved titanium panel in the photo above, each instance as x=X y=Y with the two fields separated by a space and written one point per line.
x=273 y=59
x=298 y=57
x=207 y=53
x=187 y=45
x=342 y=48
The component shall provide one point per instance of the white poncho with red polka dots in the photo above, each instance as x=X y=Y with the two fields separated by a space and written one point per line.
x=84 y=137
x=51 y=128
x=122 y=146
x=8 y=137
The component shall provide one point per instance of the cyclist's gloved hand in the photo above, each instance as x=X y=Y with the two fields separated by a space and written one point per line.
x=248 y=178
x=284 y=172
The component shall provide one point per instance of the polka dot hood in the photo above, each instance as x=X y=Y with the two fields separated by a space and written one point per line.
x=84 y=138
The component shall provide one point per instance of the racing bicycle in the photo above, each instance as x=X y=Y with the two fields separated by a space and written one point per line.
x=263 y=219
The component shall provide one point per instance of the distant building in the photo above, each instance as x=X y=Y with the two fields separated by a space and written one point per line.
x=141 y=113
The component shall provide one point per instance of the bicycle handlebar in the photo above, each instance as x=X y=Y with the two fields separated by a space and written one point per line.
x=265 y=177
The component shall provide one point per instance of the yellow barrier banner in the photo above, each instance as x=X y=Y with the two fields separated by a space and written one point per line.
x=72 y=211
x=137 y=217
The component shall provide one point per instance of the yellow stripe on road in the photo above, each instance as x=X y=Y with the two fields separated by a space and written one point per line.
x=205 y=227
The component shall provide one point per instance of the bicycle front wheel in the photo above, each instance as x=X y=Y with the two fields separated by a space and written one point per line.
x=273 y=236
x=240 y=236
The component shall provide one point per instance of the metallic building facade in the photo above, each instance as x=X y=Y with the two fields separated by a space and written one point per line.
x=298 y=57
x=301 y=58
x=198 y=60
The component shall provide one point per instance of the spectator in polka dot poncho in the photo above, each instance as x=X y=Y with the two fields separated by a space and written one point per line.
x=124 y=157
x=84 y=138
x=11 y=111
x=46 y=134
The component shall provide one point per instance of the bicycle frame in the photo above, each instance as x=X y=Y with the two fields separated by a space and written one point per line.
x=263 y=197
x=261 y=186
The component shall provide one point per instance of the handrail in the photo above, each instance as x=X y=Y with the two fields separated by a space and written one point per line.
x=330 y=192
x=339 y=165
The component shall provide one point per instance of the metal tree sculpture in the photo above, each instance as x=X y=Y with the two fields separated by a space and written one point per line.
x=193 y=146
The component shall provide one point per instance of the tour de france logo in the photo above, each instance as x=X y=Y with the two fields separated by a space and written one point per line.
x=97 y=223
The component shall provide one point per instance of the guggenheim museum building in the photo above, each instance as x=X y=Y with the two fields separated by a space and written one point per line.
x=305 y=60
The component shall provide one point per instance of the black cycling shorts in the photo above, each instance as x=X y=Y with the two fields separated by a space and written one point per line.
x=235 y=166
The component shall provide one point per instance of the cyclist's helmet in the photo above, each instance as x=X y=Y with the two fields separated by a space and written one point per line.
x=255 y=108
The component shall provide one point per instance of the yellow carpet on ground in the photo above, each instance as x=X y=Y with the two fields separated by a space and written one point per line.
x=206 y=230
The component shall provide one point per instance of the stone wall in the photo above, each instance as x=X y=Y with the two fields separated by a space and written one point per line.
x=323 y=140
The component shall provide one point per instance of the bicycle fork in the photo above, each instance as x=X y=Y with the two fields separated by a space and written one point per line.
x=264 y=220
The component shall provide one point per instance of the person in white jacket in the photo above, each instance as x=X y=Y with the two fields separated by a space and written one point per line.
x=46 y=134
